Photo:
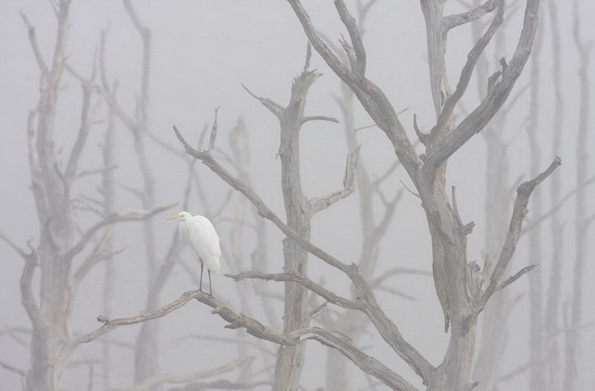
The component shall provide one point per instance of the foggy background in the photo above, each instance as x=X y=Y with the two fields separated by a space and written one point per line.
x=202 y=52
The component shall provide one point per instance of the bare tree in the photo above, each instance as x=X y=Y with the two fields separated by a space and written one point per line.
x=299 y=212
x=462 y=287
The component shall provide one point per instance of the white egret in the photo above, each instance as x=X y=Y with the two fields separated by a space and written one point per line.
x=198 y=233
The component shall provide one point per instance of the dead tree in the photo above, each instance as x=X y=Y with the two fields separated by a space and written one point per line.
x=461 y=286
x=299 y=212
x=67 y=250
x=461 y=298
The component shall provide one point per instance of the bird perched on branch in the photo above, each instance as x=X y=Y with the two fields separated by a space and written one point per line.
x=198 y=233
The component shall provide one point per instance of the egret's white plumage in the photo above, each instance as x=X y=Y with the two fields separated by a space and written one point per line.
x=198 y=233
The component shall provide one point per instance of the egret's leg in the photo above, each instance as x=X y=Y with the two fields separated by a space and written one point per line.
x=202 y=266
x=210 y=285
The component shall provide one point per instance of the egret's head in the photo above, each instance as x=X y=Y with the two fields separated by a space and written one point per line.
x=182 y=216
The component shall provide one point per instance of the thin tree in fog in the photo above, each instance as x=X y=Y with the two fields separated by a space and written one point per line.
x=108 y=190
x=573 y=321
x=554 y=292
x=147 y=344
x=536 y=354
x=256 y=256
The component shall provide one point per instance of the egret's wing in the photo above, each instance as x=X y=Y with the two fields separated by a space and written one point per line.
x=204 y=240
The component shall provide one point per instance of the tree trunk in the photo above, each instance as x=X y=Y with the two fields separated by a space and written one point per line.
x=50 y=316
x=290 y=359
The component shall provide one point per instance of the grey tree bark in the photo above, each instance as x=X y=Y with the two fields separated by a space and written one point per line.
x=299 y=212
x=428 y=172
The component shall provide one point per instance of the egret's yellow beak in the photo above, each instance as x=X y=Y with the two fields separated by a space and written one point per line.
x=174 y=217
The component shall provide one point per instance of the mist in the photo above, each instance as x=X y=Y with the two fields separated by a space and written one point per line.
x=359 y=244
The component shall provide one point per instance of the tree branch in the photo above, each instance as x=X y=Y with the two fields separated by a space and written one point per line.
x=36 y=52
x=371 y=97
x=359 y=67
x=452 y=21
x=273 y=106
x=304 y=281
x=319 y=203
x=519 y=213
x=516 y=276
x=113 y=218
x=467 y=71
x=363 y=361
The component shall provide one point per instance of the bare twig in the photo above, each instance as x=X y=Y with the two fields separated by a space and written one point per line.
x=516 y=276
x=213 y=135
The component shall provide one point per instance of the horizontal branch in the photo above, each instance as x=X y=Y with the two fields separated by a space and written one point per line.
x=319 y=118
